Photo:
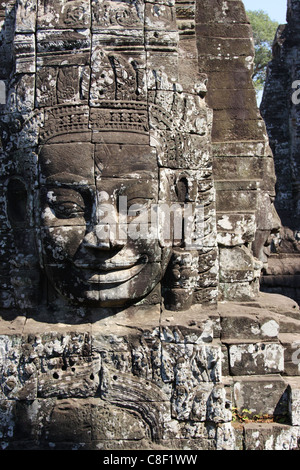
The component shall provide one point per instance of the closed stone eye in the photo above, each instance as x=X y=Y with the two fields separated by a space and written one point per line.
x=66 y=204
x=67 y=209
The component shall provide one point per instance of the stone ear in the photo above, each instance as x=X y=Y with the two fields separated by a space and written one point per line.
x=16 y=202
x=182 y=189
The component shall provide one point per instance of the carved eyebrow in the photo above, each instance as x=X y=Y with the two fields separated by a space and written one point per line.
x=68 y=179
x=60 y=193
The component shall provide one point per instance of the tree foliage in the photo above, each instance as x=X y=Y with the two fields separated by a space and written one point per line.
x=264 y=30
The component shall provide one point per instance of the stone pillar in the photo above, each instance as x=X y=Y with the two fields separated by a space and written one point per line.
x=240 y=146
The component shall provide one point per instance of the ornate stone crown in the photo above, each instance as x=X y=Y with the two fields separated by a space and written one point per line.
x=125 y=96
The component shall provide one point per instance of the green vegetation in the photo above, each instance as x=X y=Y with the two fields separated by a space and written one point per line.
x=246 y=416
x=264 y=30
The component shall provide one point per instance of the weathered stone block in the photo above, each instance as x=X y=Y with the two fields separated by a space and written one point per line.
x=231 y=201
x=31 y=418
x=236 y=265
x=186 y=405
x=204 y=363
x=232 y=13
x=255 y=326
x=18 y=373
x=256 y=358
x=60 y=342
x=106 y=15
x=21 y=97
x=240 y=46
x=70 y=421
x=190 y=330
x=291 y=344
x=218 y=406
x=69 y=377
x=7 y=421
x=239 y=291
x=271 y=437
x=52 y=164
x=26 y=17
x=76 y=14
x=225 y=437
x=240 y=149
x=113 y=423
x=24 y=50
x=260 y=397
x=293 y=400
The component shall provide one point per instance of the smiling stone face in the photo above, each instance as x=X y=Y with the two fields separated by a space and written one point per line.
x=95 y=208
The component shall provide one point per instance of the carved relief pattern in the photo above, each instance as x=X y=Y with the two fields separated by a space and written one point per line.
x=102 y=80
x=118 y=14
x=105 y=103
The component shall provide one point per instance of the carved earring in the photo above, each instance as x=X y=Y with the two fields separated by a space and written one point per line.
x=24 y=267
x=16 y=203
x=182 y=272
x=181 y=278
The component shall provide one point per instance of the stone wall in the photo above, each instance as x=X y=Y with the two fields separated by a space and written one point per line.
x=226 y=379
x=175 y=370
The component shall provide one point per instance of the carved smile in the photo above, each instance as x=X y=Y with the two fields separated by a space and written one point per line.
x=116 y=276
x=114 y=273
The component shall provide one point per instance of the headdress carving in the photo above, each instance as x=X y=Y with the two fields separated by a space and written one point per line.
x=124 y=78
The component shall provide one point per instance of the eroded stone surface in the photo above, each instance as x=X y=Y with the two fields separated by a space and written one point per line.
x=112 y=342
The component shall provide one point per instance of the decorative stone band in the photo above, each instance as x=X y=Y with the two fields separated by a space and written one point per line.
x=109 y=116
x=64 y=119
x=120 y=115
x=174 y=138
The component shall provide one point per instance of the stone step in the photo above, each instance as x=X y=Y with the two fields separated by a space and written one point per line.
x=253 y=322
x=266 y=410
x=256 y=357
x=270 y=436
x=253 y=358
x=278 y=304
x=259 y=338
x=291 y=345
x=293 y=390
x=288 y=324
x=255 y=325
x=258 y=397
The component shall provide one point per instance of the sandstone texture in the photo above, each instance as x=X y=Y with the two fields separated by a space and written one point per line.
x=137 y=215
x=144 y=379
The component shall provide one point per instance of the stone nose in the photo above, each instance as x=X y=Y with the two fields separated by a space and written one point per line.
x=104 y=237
x=106 y=230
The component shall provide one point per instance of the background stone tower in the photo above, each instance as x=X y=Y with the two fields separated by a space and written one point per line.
x=242 y=160
x=280 y=109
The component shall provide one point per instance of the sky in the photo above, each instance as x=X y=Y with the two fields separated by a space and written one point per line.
x=276 y=9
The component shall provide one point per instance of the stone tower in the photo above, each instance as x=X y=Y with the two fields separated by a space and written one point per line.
x=280 y=109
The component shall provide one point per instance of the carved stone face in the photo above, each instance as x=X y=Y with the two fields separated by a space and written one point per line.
x=91 y=254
